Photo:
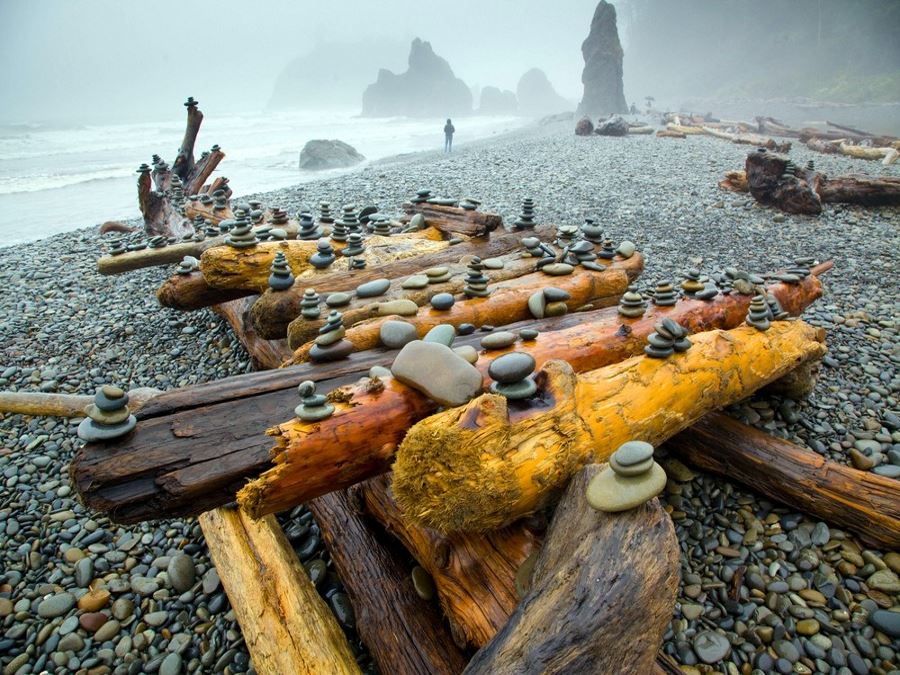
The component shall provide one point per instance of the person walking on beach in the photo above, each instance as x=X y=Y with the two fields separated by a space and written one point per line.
x=448 y=135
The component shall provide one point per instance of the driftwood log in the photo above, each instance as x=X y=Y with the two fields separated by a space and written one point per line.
x=454 y=220
x=602 y=593
x=482 y=465
x=285 y=623
x=404 y=633
x=63 y=405
x=187 y=455
x=507 y=303
x=866 y=503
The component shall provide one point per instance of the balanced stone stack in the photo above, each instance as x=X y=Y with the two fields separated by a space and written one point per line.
x=476 y=281
x=313 y=407
x=279 y=217
x=581 y=253
x=264 y=232
x=607 y=250
x=630 y=479
x=187 y=265
x=632 y=303
x=330 y=345
x=512 y=375
x=548 y=302
x=708 y=293
x=537 y=249
x=758 y=314
x=469 y=204
x=354 y=245
x=325 y=217
x=158 y=241
x=421 y=197
x=281 y=277
x=526 y=219
x=592 y=231
x=382 y=225
x=117 y=246
x=206 y=199
x=309 y=231
x=776 y=311
x=692 y=283
x=210 y=230
x=108 y=416
x=566 y=235
x=220 y=201
x=664 y=294
x=309 y=305
x=324 y=255
x=242 y=236
x=668 y=338
x=345 y=224
x=257 y=216
x=438 y=275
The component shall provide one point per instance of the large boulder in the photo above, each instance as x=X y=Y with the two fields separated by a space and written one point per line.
x=427 y=89
x=495 y=101
x=537 y=97
x=319 y=155
x=602 y=74
x=614 y=126
x=584 y=127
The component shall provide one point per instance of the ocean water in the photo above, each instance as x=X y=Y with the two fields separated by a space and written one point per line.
x=59 y=179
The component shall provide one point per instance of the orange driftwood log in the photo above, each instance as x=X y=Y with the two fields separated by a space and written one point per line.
x=866 y=503
x=277 y=313
x=404 y=633
x=735 y=181
x=304 y=456
x=190 y=291
x=507 y=303
x=262 y=352
x=599 y=577
x=455 y=220
x=482 y=465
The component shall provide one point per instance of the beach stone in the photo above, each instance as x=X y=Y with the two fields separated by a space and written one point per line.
x=55 y=605
x=465 y=329
x=626 y=249
x=610 y=492
x=333 y=352
x=443 y=301
x=84 y=572
x=886 y=621
x=398 y=307
x=395 y=334
x=436 y=272
x=437 y=372
x=94 y=600
x=373 y=289
x=885 y=581
x=557 y=269
x=468 y=352
x=423 y=583
x=492 y=263
x=122 y=608
x=417 y=281
x=528 y=334
x=710 y=646
x=552 y=294
x=511 y=368
x=442 y=334
x=171 y=665
x=633 y=452
x=417 y=222
x=181 y=572
x=498 y=340
x=379 y=371
x=338 y=299
x=107 y=631
x=537 y=304
x=331 y=336
x=92 y=621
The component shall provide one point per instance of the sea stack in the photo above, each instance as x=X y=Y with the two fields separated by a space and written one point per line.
x=602 y=74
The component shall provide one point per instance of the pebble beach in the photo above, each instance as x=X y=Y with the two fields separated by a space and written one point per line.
x=764 y=588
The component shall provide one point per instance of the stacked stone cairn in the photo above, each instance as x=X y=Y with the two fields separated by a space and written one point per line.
x=667 y=339
x=313 y=407
x=226 y=225
x=630 y=479
x=776 y=311
x=137 y=246
x=220 y=201
x=187 y=265
x=566 y=235
x=330 y=345
x=353 y=249
x=476 y=281
x=158 y=241
x=421 y=197
x=592 y=231
x=325 y=217
x=548 y=302
x=512 y=375
x=257 y=216
x=108 y=416
x=438 y=275
x=382 y=225
x=580 y=253
x=345 y=224
x=210 y=230
x=117 y=246
x=309 y=231
x=263 y=233
x=537 y=249
x=324 y=255
x=279 y=217
x=758 y=314
x=281 y=277
x=206 y=199
x=607 y=250
x=469 y=204
x=632 y=304
x=664 y=294
x=309 y=305
x=242 y=235
x=692 y=283
x=526 y=218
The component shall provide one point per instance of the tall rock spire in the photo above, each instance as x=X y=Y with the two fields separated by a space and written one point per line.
x=602 y=75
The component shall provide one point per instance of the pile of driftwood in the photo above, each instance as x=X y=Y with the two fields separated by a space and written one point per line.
x=838 y=139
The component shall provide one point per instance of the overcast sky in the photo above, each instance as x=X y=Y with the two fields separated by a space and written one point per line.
x=103 y=60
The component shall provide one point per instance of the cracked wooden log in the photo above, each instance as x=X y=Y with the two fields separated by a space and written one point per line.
x=404 y=633
x=749 y=139
x=262 y=352
x=863 y=502
x=482 y=465
x=287 y=626
x=187 y=454
x=507 y=303
x=454 y=220
x=599 y=577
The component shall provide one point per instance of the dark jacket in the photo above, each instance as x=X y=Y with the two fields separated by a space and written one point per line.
x=449 y=129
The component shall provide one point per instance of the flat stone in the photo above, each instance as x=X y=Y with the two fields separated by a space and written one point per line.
x=107 y=631
x=885 y=581
x=492 y=263
x=626 y=249
x=633 y=452
x=443 y=301
x=373 y=289
x=332 y=336
x=465 y=329
x=436 y=272
x=710 y=646
x=519 y=390
x=528 y=334
x=552 y=294
x=55 y=605
x=611 y=492
x=395 y=334
x=498 y=340
x=338 y=350
x=417 y=281
x=512 y=367
x=92 y=621
x=181 y=572
x=379 y=371
x=886 y=621
x=537 y=304
x=90 y=432
x=171 y=665
x=887 y=470
x=437 y=372
x=94 y=600
x=443 y=334
x=398 y=307
x=556 y=309
x=338 y=299
x=557 y=269
x=468 y=352
x=631 y=469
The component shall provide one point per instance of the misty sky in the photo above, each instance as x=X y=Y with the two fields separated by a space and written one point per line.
x=106 y=60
